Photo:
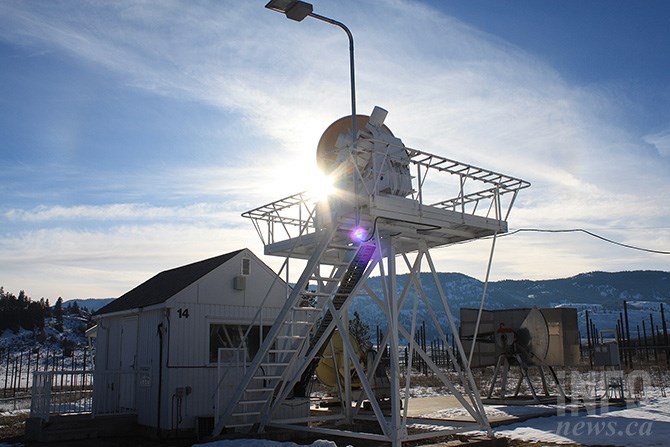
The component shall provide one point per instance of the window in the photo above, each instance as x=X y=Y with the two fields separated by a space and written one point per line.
x=246 y=266
x=229 y=337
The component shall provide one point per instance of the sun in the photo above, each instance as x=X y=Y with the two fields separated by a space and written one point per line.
x=290 y=178
x=320 y=185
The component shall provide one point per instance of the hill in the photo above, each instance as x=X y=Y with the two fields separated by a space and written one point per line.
x=92 y=304
x=601 y=293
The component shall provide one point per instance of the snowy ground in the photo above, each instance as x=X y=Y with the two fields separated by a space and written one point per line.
x=646 y=424
x=643 y=424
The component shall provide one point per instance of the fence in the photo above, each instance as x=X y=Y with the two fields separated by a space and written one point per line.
x=71 y=392
x=17 y=368
x=646 y=341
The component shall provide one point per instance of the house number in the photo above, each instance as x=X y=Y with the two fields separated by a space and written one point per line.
x=183 y=313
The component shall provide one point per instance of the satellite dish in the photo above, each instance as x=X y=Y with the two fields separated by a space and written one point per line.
x=533 y=337
x=331 y=364
x=327 y=150
x=380 y=159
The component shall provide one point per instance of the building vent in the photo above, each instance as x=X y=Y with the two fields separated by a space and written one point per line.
x=246 y=266
x=240 y=282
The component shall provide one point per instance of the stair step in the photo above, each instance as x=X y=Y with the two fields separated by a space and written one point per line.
x=247 y=413
x=324 y=294
x=343 y=247
x=324 y=278
x=259 y=390
x=308 y=309
x=282 y=351
x=252 y=402
x=271 y=364
x=291 y=337
x=267 y=377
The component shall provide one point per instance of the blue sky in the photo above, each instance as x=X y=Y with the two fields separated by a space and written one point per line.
x=134 y=134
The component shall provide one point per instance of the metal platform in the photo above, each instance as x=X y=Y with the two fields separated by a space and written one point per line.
x=479 y=205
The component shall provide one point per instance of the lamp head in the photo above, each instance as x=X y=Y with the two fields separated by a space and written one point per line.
x=294 y=10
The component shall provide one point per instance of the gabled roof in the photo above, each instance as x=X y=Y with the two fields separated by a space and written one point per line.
x=165 y=285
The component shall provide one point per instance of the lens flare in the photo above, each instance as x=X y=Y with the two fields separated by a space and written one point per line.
x=358 y=234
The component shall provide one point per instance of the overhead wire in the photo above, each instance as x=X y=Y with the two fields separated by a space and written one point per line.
x=590 y=233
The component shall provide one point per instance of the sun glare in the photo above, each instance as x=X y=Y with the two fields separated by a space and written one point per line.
x=320 y=185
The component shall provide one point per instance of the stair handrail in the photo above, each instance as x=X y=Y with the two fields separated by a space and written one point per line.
x=265 y=345
x=257 y=315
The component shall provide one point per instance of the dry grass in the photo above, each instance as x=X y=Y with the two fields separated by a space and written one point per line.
x=12 y=427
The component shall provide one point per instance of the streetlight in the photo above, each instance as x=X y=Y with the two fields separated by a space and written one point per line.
x=298 y=10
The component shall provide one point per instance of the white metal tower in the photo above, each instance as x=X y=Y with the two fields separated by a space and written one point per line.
x=393 y=205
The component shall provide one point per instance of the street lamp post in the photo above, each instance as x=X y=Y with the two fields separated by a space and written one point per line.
x=298 y=10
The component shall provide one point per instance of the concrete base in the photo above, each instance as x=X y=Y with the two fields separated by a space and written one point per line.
x=79 y=426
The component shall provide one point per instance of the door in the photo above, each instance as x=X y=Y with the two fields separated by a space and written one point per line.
x=128 y=359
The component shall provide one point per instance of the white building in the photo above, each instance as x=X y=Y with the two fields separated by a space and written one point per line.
x=163 y=347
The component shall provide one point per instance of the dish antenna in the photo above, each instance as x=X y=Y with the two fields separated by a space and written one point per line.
x=523 y=339
x=379 y=157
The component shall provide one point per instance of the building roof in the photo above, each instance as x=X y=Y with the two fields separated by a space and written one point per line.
x=165 y=285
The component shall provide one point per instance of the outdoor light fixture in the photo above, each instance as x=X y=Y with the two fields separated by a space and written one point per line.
x=294 y=10
x=298 y=10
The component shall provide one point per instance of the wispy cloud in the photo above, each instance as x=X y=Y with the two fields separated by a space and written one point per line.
x=110 y=261
x=661 y=141
x=121 y=212
x=450 y=89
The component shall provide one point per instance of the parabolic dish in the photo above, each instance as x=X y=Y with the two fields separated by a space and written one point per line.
x=533 y=336
x=332 y=361
x=326 y=151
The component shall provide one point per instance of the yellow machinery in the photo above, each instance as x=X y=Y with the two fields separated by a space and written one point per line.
x=330 y=370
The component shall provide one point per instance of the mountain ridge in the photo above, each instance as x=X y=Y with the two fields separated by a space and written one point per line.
x=602 y=293
x=596 y=287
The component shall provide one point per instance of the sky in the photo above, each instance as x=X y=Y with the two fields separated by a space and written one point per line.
x=133 y=134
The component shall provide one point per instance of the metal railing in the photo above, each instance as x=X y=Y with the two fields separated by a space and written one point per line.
x=231 y=364
x=72 y=392
x=438 y=182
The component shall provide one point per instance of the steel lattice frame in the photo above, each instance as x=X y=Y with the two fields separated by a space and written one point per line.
x=399 y=227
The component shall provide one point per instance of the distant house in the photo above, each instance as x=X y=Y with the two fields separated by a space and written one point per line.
x=163 y=347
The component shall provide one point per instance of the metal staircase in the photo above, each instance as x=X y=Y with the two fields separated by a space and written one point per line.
x=329 y=279
x=350 y=280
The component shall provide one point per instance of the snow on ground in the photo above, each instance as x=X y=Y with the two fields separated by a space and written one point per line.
x=492 y=411
x=647 y=425
x=263 y=443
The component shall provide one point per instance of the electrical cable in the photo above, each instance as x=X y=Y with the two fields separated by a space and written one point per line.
x=419 y=230
x=590 y=233
x=531 y=230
